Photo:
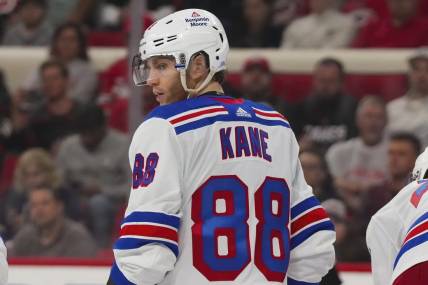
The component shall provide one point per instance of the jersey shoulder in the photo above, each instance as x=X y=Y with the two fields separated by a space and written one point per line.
x=205 y=110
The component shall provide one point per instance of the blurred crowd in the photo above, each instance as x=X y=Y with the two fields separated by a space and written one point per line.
x=64 y=170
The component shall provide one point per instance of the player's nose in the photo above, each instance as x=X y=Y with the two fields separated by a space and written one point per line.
x=152 y=80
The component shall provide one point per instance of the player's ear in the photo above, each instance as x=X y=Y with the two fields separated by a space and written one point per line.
x=197 y=70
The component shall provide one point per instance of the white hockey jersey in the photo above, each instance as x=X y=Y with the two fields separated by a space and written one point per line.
x=219 y=195
x=3 y=263
x=397 y=235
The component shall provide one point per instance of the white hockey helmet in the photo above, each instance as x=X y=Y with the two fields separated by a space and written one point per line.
x=420 y=171
x=182 y=35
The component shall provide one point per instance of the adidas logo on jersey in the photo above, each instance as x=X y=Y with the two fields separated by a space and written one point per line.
x=242 y=113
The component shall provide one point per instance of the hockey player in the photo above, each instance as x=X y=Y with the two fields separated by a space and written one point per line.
x=3 y=263
x=218 y=194
x=397 y=235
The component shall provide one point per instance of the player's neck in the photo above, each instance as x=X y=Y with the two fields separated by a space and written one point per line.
x=213 y=86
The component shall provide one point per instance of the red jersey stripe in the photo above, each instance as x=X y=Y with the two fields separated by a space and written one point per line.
x=197 y=114
x=308 y=218
x=149 y=231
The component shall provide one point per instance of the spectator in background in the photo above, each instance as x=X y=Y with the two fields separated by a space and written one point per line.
x=31 y=28
x=410 y=112
x=55 y=119
x=316 y=174
x=76 y=11
x=256 y=84
x=324 y=27
x=256 y=29
x=35 y=168
x=360 y=164
x=94 y=162
x=50 y=232
x=69 y=46
x=403 y=149
x=403 y=28
x=327 y=115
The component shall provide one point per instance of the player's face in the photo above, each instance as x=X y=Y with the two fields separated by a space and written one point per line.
x=164 y=79
x=44 y=209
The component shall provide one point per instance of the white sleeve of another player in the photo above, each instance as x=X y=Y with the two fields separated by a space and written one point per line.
x=147 y=247
x=311 y=231
x=381 y=251
x=3 y=263
x=414 y=247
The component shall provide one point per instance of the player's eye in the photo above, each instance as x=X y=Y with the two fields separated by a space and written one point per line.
x=162 y=66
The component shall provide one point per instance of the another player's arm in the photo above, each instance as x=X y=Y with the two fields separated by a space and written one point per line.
x=312 y=232
x=147 y=247
x=379 y=244
x=3 y=263
x=411 y=262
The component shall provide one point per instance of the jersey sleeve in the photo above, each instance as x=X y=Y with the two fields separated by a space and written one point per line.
x=147 y=246
x=380 y=247
x=414 y=246
x=3 y=263
x=312 y=233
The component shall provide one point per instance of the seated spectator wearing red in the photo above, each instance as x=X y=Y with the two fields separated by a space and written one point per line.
x=49 y=232
x=31 y=28
x=55 y=119
x=68 y=45
x=324 y=27
x=409 y=112
x=325 y=116
x=404 y=28
x=256 y=30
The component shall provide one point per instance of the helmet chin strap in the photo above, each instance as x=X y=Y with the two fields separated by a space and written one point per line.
x=194 y=92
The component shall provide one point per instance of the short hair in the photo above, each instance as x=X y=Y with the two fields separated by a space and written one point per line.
x=331 y=61
x=371 y=100
x=219 y=76
x=57 y=193
x=409 y=138
x=90 y=117
x=56 y=64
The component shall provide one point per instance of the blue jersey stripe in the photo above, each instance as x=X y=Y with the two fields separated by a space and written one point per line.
x=117 y=276
x=409 y=245
x=291 y=281
x=226 y=118
x=307 y=233
x=153 y=217
x=303 y=206
x=418 y=221
x=133 y=243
